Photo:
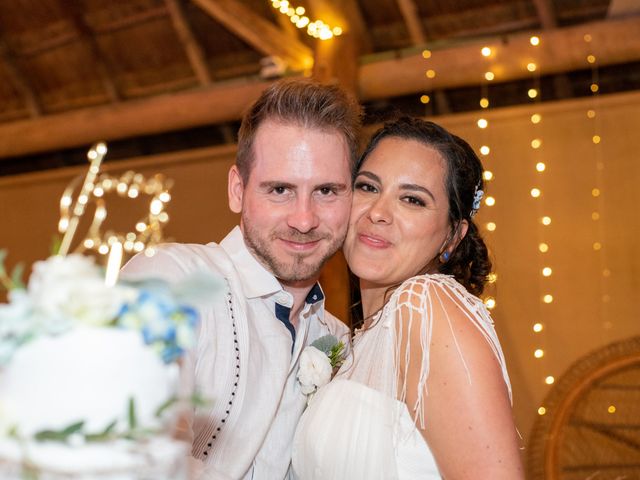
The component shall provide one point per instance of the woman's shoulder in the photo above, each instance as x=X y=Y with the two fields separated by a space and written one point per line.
x=419 y=287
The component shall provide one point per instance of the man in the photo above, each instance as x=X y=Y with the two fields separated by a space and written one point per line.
x=291 y=183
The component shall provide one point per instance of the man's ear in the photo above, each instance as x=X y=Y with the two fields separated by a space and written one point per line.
x=235 y=189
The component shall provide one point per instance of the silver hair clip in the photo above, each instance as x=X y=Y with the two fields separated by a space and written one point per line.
x=477 y=198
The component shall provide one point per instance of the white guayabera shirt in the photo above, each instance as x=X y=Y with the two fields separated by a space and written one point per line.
x=245 y=360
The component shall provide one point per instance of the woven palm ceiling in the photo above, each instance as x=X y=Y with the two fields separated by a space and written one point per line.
x=154 y=75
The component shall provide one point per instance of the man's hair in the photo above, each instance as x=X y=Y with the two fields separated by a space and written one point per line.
x=304 y=103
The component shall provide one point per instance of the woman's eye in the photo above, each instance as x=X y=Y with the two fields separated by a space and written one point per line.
x=414 y=201
x=365 y=187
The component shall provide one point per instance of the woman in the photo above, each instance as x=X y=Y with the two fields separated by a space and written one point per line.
x=425 y=392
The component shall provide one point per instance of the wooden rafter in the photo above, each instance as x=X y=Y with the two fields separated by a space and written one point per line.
x=20 y=81
x=215 y=104
x=464 y=66
x=378 y=77
x=258 y=32
x=191 y=46
x=546 y=14
x=87 y=38
x=412 y=19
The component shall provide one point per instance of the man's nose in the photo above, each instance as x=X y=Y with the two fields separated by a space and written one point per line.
x=303 y=217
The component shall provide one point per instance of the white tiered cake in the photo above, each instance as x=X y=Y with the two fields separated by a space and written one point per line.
x=89 y=383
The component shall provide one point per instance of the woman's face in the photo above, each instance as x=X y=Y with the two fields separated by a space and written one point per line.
x=400 y=212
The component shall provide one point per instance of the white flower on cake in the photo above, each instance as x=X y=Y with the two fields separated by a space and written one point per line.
x=73 y=287
x=317 y=363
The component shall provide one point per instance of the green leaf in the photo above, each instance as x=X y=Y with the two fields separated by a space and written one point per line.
x=3 y=255
x=73 y=428
x=325 y=343
x=16 y=276
x=133 y=421
x=56 y=243
x=104 y=435
x=162 y=408
x=60 y=435
x=198 y=400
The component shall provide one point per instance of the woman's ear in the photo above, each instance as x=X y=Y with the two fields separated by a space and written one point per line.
x=458 y=235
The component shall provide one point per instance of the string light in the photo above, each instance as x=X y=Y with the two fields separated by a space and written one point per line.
x=486 y=51
x=542 y=411
x=543 y=248
x=316 y=29
x=537 y=327
x=549 y=380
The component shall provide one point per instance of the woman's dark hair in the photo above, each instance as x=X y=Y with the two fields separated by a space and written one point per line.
x=469 y=263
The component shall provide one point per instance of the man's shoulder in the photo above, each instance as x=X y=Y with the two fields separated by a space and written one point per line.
x=172 y=259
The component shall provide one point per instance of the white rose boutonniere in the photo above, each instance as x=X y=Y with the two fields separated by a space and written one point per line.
x=318 y=362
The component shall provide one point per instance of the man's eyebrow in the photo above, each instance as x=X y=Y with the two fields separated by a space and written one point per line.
x=277 y=184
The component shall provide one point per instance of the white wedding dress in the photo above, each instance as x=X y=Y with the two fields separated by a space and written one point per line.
x=358 y=426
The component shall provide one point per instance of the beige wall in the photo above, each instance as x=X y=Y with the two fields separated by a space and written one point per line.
x=589 y=309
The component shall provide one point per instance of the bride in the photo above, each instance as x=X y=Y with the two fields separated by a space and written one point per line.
x=425 y=392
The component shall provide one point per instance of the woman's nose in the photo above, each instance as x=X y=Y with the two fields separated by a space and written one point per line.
x=379 y=211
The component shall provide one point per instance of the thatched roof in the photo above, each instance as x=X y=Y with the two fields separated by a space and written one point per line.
x=74 y=71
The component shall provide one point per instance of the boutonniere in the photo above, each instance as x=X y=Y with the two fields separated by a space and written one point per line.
x=318 y=362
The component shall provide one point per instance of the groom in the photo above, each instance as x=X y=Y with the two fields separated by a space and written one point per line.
x=291 y=183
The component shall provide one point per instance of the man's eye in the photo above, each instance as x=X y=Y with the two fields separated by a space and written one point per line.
x=279 y=190
x=327 y=191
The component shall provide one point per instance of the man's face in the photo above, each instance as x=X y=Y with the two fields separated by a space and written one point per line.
x=295 y=205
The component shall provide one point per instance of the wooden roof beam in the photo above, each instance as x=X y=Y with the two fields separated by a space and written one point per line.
x=20 y=81
x=614 y=41
x=87 y=38
x=382 y=76
x=258 y=32
x=133 y=118
x=192 y=48
x=411 y=17
x=546 y=14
